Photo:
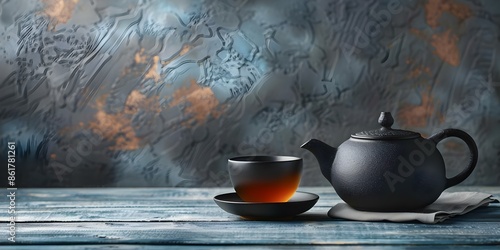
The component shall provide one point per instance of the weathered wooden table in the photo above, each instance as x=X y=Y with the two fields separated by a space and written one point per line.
x=146 y=218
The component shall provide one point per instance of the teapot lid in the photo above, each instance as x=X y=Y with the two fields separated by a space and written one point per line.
x=386 y=132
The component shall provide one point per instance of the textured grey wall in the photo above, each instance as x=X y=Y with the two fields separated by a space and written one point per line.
x=161 y=93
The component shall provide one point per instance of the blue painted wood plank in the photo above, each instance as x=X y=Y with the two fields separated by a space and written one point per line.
x=230 y=247
x=138 y=194
x=260 y=233
x=190 y=217
x=144 y=205
x=171 y=213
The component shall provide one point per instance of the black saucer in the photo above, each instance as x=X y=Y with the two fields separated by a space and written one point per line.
x=299 y=203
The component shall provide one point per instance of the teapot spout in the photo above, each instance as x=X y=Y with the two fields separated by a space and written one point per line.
x=324 y=153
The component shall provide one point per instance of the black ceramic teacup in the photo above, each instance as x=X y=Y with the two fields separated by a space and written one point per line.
x=265 y=178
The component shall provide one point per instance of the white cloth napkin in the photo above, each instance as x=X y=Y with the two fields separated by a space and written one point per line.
x=445 y=207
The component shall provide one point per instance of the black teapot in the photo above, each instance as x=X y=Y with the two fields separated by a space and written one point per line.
x=389 y=169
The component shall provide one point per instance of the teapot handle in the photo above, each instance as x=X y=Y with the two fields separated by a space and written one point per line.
x=450 y=132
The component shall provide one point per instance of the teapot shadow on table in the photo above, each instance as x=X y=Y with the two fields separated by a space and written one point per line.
x=389 y=169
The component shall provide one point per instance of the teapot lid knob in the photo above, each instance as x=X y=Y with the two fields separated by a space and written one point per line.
x=386 y=132
x=385 y=120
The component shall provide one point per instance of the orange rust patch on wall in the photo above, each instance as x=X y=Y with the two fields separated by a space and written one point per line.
x=411 y=115
x=153 y=70
x=434 y=9
x=460 y=11
x=140 y=63
x=416 y=72
x=200 y=103
x=117 y=127
x=433 y=12
x=58 y=11
x=445 y=44
x=136 y=101
x=446 y=48
x=140 y=57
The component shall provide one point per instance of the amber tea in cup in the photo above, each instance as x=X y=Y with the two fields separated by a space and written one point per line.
x=265 y=178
